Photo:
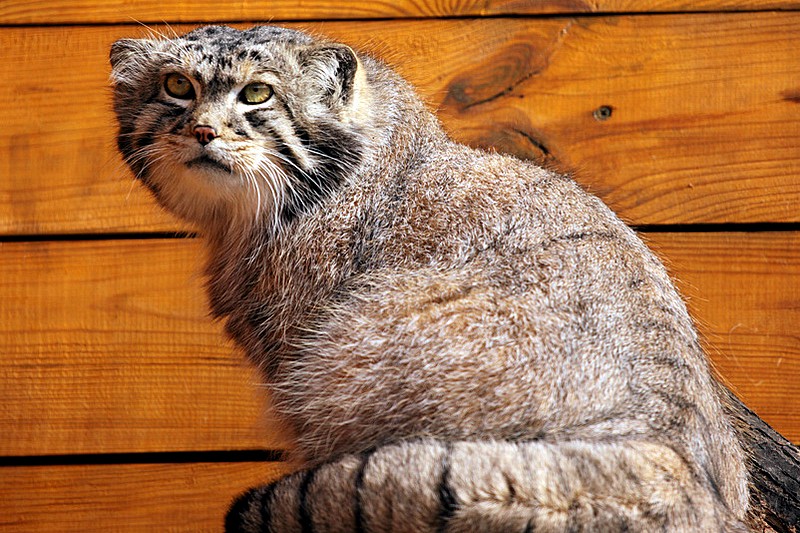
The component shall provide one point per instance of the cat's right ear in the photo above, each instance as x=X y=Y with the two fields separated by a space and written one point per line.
x=127 y=56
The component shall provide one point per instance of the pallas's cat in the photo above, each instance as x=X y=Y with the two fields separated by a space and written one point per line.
x=459 y=340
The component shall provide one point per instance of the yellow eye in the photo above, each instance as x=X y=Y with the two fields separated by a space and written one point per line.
x=255 y=93
x=178 y=86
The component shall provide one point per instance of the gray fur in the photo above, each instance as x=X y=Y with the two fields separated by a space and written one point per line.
x=505 y=351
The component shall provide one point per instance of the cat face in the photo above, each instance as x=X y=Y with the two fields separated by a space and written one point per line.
x=224 y=124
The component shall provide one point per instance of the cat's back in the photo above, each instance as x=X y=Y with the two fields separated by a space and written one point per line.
x=492 y=298
x=468 y=253
x=456 y=203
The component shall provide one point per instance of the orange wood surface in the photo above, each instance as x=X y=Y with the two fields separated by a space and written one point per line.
x=106 y=348
x=83 y=11
x=744 y=291
x=705 y=123
x=134 y=497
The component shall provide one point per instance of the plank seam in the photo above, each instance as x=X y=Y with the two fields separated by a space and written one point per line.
x=116 y=236
x=214 y=456
x=710 y=227
x=733 y=227
x=536 y=16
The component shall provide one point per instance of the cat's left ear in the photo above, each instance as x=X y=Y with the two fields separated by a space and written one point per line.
x=333 y=67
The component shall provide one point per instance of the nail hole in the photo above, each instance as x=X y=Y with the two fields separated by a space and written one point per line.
x=603 y=112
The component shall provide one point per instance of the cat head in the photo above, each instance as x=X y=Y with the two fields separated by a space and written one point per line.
x=225 y=125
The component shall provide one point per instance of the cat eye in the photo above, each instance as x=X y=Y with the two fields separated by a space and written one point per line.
x=255 y=93
x=178 y=86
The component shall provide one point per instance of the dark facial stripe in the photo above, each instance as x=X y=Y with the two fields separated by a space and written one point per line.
x=171 y=109
x=448 y=505
x=300 y=131
x=286 y=151
x=256 y=118
x=138 y=164
x=179 y=116
x=305 y=511
x=337 y=153
x=133 y=144
x=291 y=163
x=168 y=112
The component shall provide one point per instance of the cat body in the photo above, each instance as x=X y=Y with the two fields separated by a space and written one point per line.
x=459 y=340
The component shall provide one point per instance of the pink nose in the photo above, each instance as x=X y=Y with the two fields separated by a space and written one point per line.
x=204 y=134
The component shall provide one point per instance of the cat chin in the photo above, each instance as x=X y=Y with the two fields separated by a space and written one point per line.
x=201 y=192
x=208 y=164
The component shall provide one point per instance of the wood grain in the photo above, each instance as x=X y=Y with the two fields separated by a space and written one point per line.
x=152 y=11
x=106 y=348
x=744 y=291
x=137 y=497
x=702 y=127
x=704 y=124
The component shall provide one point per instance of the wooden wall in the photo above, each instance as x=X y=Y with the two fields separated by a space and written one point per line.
x=121 y=405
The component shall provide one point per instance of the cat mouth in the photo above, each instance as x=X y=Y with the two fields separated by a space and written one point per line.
x=208 y=163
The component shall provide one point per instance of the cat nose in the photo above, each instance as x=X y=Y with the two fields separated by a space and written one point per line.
x=204 y=134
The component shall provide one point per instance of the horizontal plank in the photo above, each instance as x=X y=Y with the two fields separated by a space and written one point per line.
x=703 y=128
x=139 y=497
x=700 y=122
x=744 y=291
x=106 y=348
x=152 y=11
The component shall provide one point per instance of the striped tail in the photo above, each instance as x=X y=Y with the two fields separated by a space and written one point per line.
x=431 y=486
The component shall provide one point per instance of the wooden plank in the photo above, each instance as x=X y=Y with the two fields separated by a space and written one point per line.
x=137 y=497
x=152 y=11
x=106 y=348
x=703 y=126
x=744 y=290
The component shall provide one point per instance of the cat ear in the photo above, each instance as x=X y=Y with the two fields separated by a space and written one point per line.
x=333 y=67
x=128 y=57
